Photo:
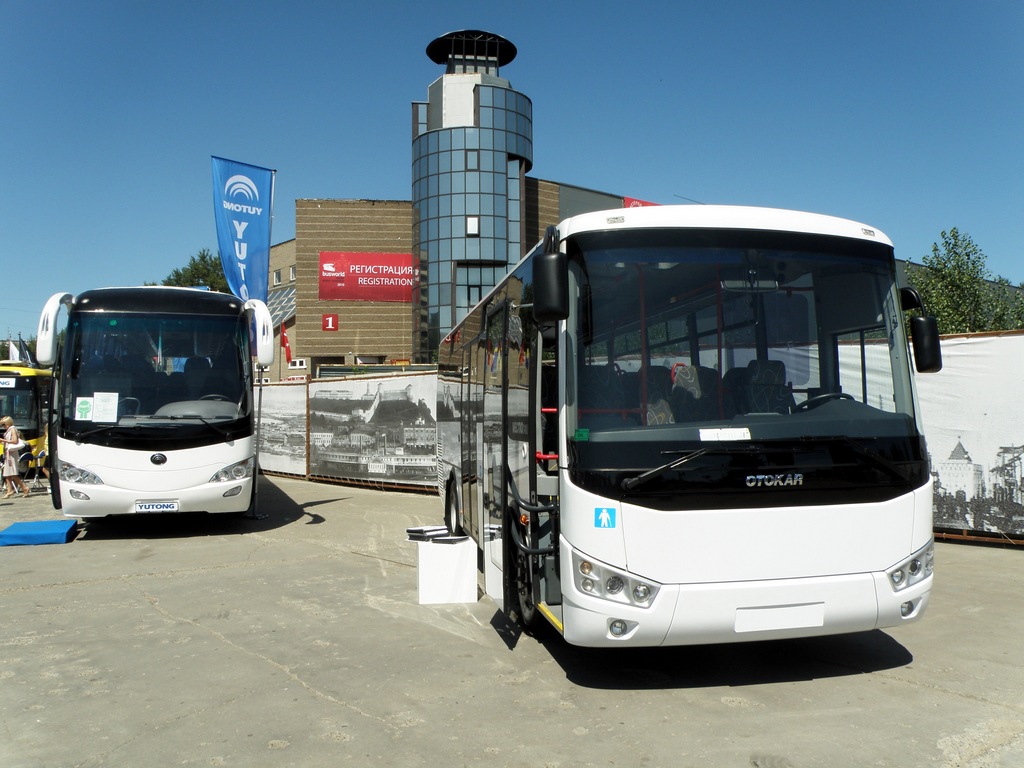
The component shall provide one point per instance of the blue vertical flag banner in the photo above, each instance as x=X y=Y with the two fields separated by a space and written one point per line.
x=243 y=202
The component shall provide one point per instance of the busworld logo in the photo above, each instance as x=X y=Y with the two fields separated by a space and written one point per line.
x=243 y=187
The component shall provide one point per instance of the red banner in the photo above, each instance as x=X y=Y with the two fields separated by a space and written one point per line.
x=632 y=202
x=346 y=276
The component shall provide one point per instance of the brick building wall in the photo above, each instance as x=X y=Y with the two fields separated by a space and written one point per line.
x=366 y=330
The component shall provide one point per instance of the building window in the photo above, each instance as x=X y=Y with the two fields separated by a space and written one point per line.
x=472 y=226
x=277 y=277
x=291 y=273
x=472 y=159
x=297 y=364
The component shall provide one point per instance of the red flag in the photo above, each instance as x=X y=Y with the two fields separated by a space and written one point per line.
x=285 y=344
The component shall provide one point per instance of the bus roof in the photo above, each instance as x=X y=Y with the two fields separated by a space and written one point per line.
x=156 y=298
x=20 y=368
x=720 y=217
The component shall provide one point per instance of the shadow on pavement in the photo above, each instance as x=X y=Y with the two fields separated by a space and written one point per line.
x=727 y=665
x=276 y=510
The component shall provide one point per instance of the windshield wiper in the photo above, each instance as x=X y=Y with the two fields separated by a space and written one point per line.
x=98 y=430
x=632 y=482
x=190 y=417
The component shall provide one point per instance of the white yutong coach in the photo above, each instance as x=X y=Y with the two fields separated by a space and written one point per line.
x=153 y=405
x=694 y=424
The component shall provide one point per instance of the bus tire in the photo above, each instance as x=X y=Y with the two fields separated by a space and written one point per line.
x=524 y=590
x=452 y=513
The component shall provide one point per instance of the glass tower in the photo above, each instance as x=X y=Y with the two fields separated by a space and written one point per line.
x=472 y=147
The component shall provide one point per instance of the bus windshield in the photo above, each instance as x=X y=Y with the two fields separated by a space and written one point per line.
x=767 y=352
x=23 y=396
x=128 y=377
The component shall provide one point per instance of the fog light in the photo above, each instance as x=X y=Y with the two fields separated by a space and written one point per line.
x=617 y=628
x=641 y=593
x=77 y=494
x=588 y=585
x=906 y=609
x=613 y=585
x=233 y=491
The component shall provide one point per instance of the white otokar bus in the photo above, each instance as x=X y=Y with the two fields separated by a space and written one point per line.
x=153 y=406
x=694 y=424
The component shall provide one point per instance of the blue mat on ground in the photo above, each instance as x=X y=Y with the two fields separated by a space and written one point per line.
x=41 y=532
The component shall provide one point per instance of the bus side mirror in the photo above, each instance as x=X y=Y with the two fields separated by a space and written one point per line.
x=550 y=281
x=263 y=329
x=46 y=333
x=924 y=333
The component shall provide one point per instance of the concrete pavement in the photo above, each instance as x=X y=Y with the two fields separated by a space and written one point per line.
x=297 y=640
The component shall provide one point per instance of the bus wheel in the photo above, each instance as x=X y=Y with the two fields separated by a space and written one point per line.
x=451 y=511
x=524 y=588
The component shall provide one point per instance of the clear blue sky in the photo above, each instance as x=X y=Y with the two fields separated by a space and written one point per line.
x=903 y=114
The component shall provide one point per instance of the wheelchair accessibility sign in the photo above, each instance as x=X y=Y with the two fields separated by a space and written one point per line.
x=604 y=517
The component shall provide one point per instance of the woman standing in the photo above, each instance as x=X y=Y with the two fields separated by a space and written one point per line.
x=12 y=444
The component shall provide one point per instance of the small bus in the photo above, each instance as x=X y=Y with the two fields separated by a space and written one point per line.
x=25 y=397
x=153 y=405
x=694 y=424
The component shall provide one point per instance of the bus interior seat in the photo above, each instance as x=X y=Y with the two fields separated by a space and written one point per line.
x=734 y=391
x=224 y=377
x=601 y=394
x=695 y=393
x=197 y=370
x=659 y=391
x=768 y=391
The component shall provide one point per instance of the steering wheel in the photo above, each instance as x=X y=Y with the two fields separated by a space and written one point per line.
x=814 y=402
x=225 y=398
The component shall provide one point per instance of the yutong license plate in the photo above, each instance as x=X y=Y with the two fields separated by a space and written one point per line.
x=145 y=507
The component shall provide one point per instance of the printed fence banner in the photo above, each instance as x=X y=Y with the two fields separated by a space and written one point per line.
x=283 y=429
x=974 y=426
x=380 y=429
x=243 y=202
x=346 y=276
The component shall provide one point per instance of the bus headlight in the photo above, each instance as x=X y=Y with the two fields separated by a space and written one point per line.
x=917 y=567
x=71 y=474
x=235 y=472
x=599 y=580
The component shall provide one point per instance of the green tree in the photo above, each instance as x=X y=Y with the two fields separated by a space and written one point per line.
x=959 y=290
x=202 y=269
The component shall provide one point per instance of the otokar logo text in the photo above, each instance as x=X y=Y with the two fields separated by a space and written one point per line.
x=774 y=481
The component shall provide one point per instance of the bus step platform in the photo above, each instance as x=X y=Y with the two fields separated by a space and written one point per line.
x=445 y=573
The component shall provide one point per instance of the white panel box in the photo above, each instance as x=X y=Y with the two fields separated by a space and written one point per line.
x=446 y=572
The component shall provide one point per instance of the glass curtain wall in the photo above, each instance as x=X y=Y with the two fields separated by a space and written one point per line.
x=467 y=193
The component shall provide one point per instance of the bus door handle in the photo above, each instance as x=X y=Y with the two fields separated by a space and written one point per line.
x=517 y=537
